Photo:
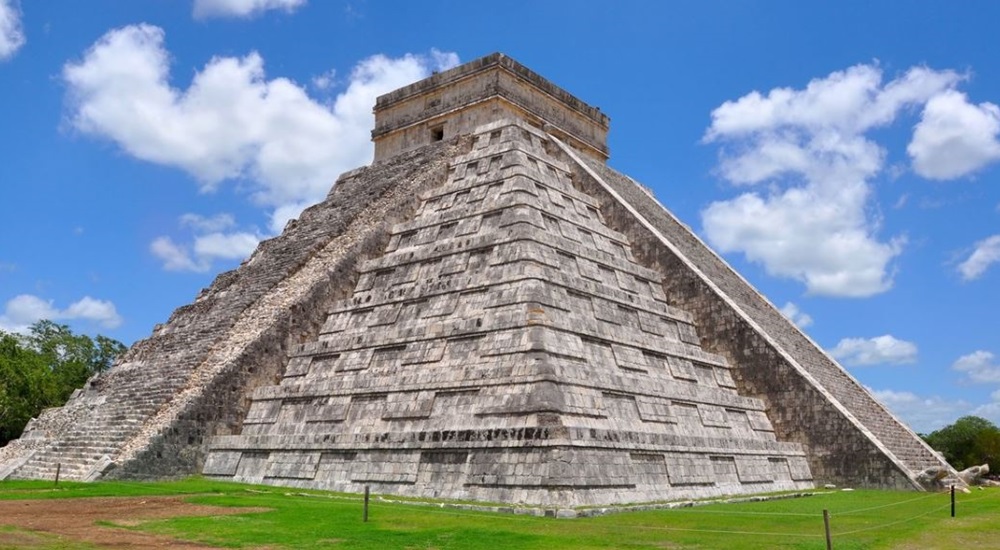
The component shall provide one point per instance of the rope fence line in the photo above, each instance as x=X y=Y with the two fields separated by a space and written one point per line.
x=692 y=510
x=987 y=494
x=881 y=506
x=891 y=523
x=724 y=531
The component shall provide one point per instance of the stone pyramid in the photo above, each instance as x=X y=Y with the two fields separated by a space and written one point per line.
x=487 y=312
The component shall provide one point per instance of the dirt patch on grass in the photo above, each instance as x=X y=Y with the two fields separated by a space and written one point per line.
x=77 y=520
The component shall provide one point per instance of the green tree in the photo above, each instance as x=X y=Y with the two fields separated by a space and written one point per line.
x=970 y=441
x=42 y=369
x=26 y=386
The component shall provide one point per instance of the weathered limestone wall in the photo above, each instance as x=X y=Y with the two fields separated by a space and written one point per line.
x=850 y=438
x=150 y=415
x=506 y=346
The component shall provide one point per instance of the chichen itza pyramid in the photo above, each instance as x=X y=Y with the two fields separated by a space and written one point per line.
x=487 y=312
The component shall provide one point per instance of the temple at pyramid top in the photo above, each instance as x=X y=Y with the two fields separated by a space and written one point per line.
x=456 y=101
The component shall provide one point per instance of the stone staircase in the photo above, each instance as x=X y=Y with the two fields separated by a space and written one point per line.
x=85 y=450
x=906 y=447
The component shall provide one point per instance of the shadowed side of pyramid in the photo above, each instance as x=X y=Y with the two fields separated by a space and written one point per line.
x=850 y=437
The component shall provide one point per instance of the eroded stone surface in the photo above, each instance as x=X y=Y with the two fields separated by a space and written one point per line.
x=508 y=347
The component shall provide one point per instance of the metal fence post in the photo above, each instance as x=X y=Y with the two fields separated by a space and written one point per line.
x=826 y=525
x=365 y=517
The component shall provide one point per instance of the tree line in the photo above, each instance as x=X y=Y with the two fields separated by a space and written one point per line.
x=42 y=368
x=970 y=441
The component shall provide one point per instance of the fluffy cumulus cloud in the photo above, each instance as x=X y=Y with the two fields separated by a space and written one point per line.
x=241 y=8
x=22 y=311
x=923 y=414
x=955 y=137
x=981 y=367
x=881 y=350
x=985 y=254
x=795 y=315
x=213 y=238
x=991 y=410
x=809 y=152
x=231 y=123
x=11 y=34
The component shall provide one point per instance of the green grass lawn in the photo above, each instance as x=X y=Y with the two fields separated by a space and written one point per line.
x=313 y=519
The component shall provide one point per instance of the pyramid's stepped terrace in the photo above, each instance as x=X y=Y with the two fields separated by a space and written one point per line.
x=507 y=347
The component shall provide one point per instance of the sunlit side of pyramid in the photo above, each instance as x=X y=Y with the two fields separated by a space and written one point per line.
x=487 y=312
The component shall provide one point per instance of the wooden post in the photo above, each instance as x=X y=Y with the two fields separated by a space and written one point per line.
x=826 y=526
x=952 y=501
x=58 y=467
x=365 y=517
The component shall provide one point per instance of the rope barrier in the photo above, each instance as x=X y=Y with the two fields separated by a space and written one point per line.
x=881 y=506
x=722 y=531
x=693 y=510
x=891 y=523
x=988 y=494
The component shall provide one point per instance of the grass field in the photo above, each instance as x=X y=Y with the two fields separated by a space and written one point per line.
x=284 y=518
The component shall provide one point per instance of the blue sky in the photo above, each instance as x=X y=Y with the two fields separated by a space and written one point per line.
x=844 y=157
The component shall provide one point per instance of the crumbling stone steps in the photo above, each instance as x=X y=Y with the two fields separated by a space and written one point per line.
x=72 y=460
x=100 y=435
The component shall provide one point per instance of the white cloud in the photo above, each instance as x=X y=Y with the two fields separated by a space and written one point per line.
x=210 y=242
x=174 y=256
x=325 y=81
x=218 y=222
x=24 y=310
x=879 y=350
x=980 y=366
x=102 y=311
x=990 y=411
x=232 y=122
x=11 y=34
x=819 y=235
x=242 y=8
x=814 y=223
x=230 y=246
x=987 y=253
x=285 y=213
x=922 y=414
x=954 y=137
x=795 y=315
